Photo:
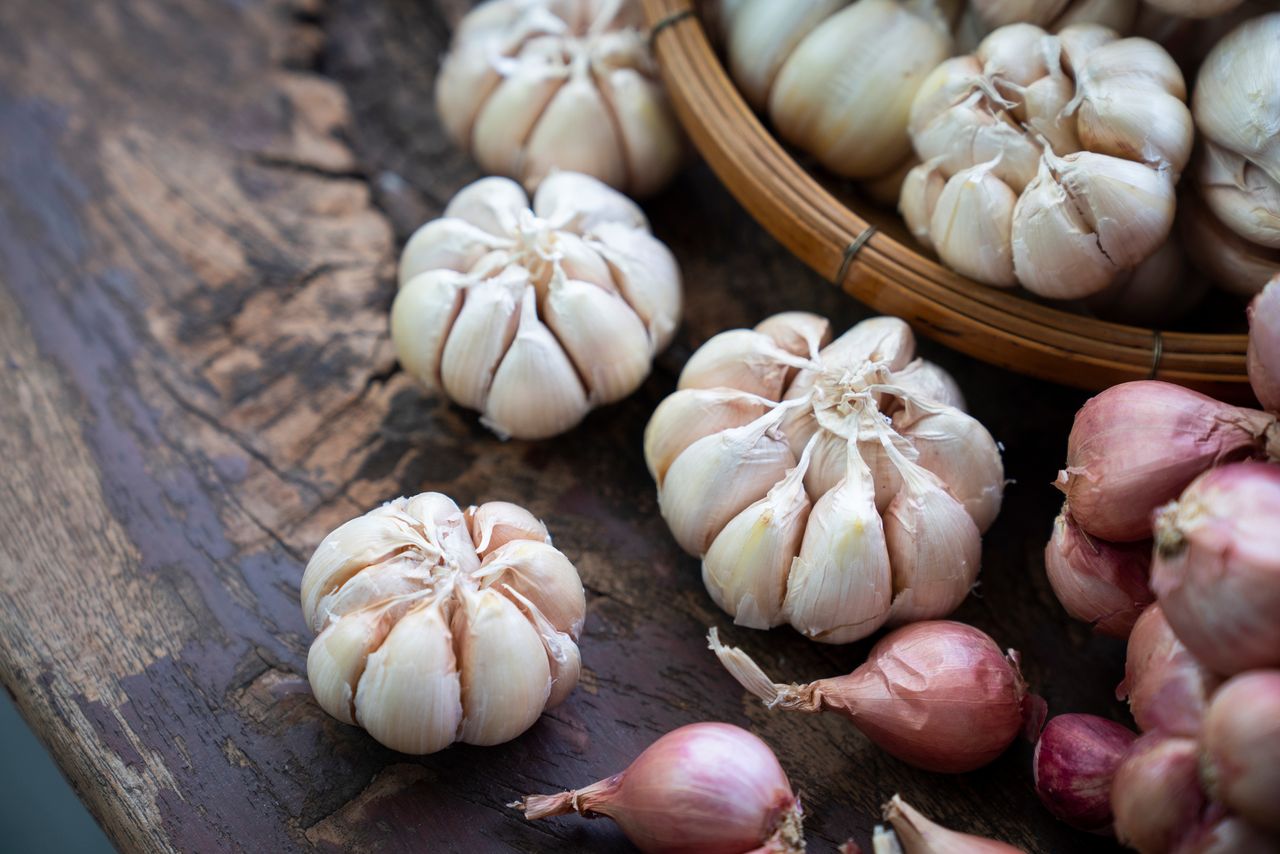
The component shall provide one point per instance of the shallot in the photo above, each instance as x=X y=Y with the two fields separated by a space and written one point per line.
x=1241 y=747
x=1167 y=687
x=1075 y=761
x=913 y=833
x=1103 y=584
x=937 y=694
x=711 y=788
x=1156 y=796
x=1137 y=445
x=1217 y=566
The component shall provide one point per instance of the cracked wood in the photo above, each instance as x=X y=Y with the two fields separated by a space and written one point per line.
x=200 y=206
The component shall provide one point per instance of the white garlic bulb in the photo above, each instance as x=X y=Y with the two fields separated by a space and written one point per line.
x=1237 y=109
x=1049 y=160
x=837 y=78
x=534 y=85
x=437 y=625
x=833 y=486
x=1054 y=15
x=534 y=315
x=1235 y=264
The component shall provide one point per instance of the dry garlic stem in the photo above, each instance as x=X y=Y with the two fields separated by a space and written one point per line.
x=1048 y=160
x=437 y=625
x=535 y=314
x=837 y=78
x=1237 y=109
x=529 y=86
x=833 y=486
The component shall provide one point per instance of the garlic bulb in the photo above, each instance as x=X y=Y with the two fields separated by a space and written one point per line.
x=1237 y=109
x=1048 y=160
x=534 y=315
x=1055 y=14
x=837 y=78
x=1194 y=8
x=836 y=488
x=529 y=86
x=436 y=625
x=1234 y=263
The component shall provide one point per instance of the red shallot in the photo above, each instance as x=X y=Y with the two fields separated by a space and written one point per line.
x=1137 y=445
x=914 y=834
x=1168 y=689
x=1075 y=761
x=1156 y=796
x=710 y=788
x=936 y=694
x=1101 y=583
x=1241 y=747
x=1264 y=345
x=1217 y=567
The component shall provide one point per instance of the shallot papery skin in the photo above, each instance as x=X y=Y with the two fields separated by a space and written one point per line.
x=916 y=834
x=1264 y=346
x=1101 y=583
x=1168 y=689
x=936 y=694
x=1075 y=761
x=1217 y=567
x=1241 y=747
x=709 y=788
x=1137 y=445
x=1156 y=796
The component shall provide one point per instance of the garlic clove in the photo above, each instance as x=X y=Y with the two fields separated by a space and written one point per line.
x=688 y=415
x=509 y=113
x=1240 y=194
x=541 y=574
x=1236 y=104
x=576 y=202
x=761 y=38
x=746 y=568
x=840 y=74
x=467 y=75
x=1078 y=41
x=970 y=135
x=884 y=339
x=960 y=451
x=338 y=654
x=1055 y=252
x=920 y=191
x=925 y=381
x=438 y=517
x=1138 y=123
x=952 y=82
x=1014 y=54
x=719 y=476
x=1132 y=61
x=422 y=314
x=1044 y=104
x=575 y=132
x=800 y=333
x=496 y=523
x=740 y=359
x=348 y=549
x=971 y=226
x=502 y=668
x=840 y=584
x=646 y=274
x=564 y=661
x=602 y=335
x=491 y=204
x=1235 y=264
x=580 y=260
x=830 y=464
x=409 y=695
x=450 y=244
x=536 y=392
x=379 y=582
x=481 y=335
x=650 y=138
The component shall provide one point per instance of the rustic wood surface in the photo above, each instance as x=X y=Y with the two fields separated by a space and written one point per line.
x=200 y=207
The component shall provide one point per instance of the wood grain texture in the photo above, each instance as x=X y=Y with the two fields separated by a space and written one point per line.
x=200 y=205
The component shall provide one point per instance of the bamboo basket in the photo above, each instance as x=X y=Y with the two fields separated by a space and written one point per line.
x=995 y=326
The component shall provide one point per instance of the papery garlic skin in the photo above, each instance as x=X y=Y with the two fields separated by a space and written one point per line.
x=831 y=485
x=437 y=625
x=1058 y=156
x=534 y=313
x=531 y=86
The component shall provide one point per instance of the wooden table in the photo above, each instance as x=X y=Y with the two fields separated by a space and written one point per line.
x=200 y=208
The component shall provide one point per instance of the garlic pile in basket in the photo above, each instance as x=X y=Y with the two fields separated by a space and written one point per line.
x=535 y=316
x=1048 y=160
x=438 y=625
x=532 y=85
x=834 y=488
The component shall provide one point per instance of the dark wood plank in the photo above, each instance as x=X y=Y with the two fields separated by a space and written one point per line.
x=200 y=205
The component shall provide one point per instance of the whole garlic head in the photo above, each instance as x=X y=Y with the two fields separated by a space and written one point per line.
x=836 y=488
x=836 y=78
x=437 y=625
x=534 y=85
x=1048 y=160
x=534 y=314
x=1237 y=109
x=1055 y=15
